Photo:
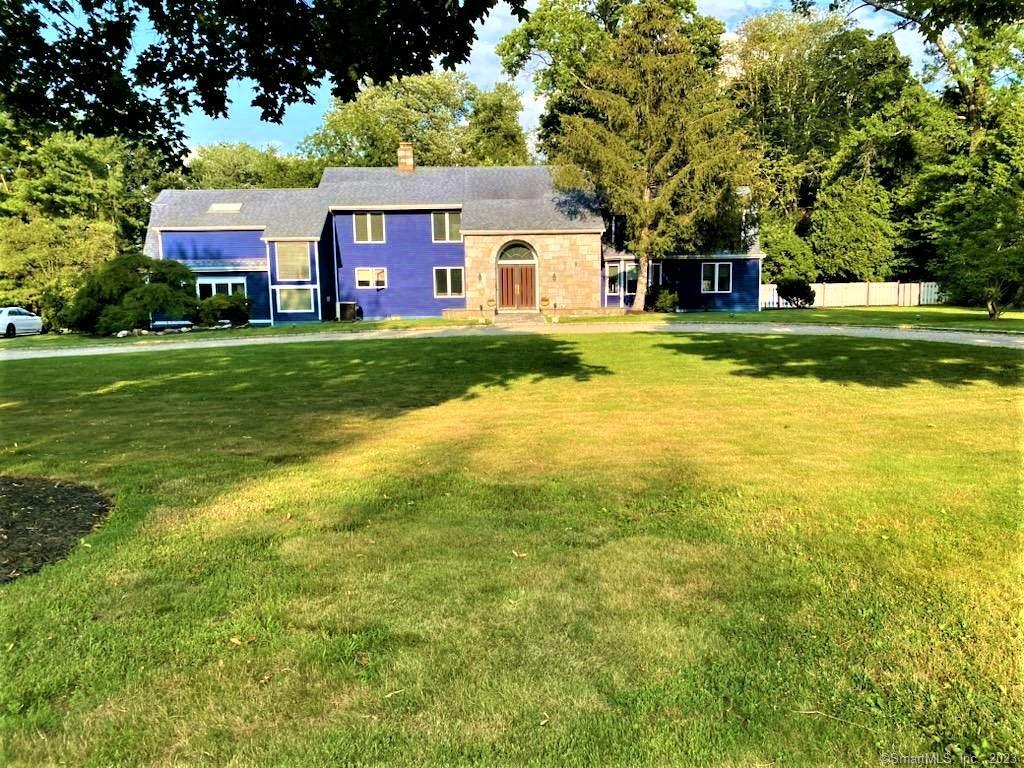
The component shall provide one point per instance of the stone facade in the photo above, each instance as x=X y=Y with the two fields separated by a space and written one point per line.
x=568 y=270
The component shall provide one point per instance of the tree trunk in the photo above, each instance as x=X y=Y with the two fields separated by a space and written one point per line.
x=641 y=283
x=993 y=309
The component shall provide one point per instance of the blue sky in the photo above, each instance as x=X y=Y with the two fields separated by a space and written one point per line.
x=483 y=68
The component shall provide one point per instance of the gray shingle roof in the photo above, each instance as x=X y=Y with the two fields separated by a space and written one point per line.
x=504 y=198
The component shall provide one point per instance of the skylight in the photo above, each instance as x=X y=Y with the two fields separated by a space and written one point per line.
x=224 y=208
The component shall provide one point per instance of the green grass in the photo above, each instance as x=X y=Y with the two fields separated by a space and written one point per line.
x=65 y=340
x=959 y=318
x=629 y=550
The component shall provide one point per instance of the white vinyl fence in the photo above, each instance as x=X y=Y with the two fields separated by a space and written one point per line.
x=860 y=295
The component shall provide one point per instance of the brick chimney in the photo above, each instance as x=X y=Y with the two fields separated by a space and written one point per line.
x=406 y=159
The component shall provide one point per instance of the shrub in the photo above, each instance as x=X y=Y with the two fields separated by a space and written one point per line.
x=234 y=308
x=796 y=291
x=122 y=293
x=666 y=301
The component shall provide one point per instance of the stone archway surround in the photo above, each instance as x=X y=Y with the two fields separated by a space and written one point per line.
x=568 y=269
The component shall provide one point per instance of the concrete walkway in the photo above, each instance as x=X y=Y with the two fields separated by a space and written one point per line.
x=980 y=339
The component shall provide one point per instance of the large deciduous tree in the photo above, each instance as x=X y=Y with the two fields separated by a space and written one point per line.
x=134 y=66
x=977 y=220
x=494 y=135
x=657 y=141
x=42 y=261
x=243 y=166
x=100 y=179
x=449 y=119
x=972 y=41
x=802 y=84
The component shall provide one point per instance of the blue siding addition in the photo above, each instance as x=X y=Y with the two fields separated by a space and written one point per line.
x=216 y=249
x=684 y=277
x=225 y=254
x=257 y=288
x=409 y=255
x=312 y=283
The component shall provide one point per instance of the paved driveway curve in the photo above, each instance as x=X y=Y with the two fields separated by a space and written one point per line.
x=980 y=339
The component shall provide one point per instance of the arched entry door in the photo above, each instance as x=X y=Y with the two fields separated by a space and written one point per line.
x=517 y=277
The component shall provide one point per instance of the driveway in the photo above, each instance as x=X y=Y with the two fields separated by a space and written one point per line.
x=569 y=329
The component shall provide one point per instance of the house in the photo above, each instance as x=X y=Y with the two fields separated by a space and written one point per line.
x=421 y=242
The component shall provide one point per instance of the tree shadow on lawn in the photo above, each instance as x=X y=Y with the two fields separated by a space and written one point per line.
x=849 y=360
x=214 y=415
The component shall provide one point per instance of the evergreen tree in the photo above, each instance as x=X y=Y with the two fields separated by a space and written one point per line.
x=659 y=141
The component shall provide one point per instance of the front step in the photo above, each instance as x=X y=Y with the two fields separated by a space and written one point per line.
x=519 y=318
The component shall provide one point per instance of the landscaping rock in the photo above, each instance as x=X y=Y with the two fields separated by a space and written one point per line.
x=121 y=334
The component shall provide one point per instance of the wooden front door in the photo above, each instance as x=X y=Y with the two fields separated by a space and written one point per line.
x=516 y=289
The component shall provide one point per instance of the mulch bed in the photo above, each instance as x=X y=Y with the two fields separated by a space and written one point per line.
x=42 y=520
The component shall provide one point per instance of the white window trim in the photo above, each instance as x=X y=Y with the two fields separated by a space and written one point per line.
x=447 y=227
x=369 y=229
x=355 y=279
x=618 y=278
x=277 y=264
x=717 y=265
x=229 y=281
x=277 y=299
x=450 y=295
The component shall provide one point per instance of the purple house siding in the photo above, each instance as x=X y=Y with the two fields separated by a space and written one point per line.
x=213 y=249
x=328 y=274
x=257 y=288
x=225 y=254
x=409 y=255
x=312 y=283
x=684 y=277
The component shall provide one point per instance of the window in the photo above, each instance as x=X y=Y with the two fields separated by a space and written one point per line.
x=716 y=277
x=517 y=252
x=369 y=227
x=654 y=273
x=294 y=299
x=632 y=276
x=611 y=276
x=208 y=286
x=371 y=277
x=224 y=208
x=448 y=282
x=447 y=226
x=293 y=261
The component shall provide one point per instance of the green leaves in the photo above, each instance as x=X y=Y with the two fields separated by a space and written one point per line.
x=122 y=294
x=852 y=233
x=656 y=137
x=449 y=120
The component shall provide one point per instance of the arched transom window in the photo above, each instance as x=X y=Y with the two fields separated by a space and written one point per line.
x=517 y=252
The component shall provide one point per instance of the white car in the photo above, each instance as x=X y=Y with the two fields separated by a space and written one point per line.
x=15 y=321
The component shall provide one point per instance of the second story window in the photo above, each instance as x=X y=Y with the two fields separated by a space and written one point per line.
x=447 y=226
x=369 y=227
x=293 y=261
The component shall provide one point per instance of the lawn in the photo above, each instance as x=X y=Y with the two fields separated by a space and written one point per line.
x=958 y=318
x=65 y=340
x=631 y=550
